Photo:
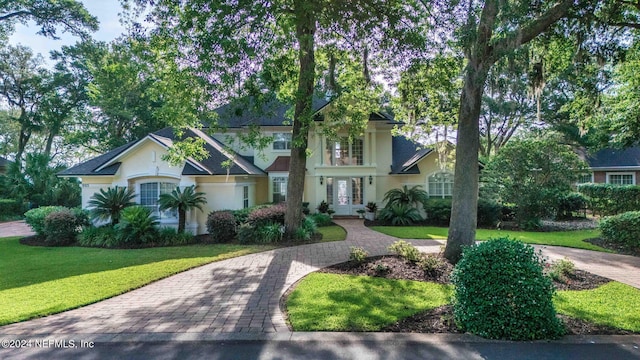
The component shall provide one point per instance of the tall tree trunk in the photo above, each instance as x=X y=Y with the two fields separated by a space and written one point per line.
x=464 y=207
x=305 y=34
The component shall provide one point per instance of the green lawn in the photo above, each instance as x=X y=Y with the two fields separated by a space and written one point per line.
x=38 y=281
x=332 y=233
x=330 y=302
x=612 y=304
x=573 y=239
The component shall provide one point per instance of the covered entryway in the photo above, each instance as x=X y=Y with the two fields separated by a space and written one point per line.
x=345 y=194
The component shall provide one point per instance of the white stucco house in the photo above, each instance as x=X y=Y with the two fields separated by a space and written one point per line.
x=347 y=175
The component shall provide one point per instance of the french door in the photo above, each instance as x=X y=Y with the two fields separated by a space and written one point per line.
x=345 y=194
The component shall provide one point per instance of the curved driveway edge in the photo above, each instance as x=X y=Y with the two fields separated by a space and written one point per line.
x=242 y=295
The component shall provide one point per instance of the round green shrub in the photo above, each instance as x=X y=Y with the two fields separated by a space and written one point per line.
x=623 y=229
x=61 y=228
x=221 y=226
x=35 y=217
x=501 y=292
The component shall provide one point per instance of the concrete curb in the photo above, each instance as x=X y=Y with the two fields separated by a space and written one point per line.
x=334 y=337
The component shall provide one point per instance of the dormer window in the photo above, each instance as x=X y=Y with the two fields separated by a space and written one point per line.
x=281 y=141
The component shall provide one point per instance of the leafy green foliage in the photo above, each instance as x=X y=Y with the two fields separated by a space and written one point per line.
x=35 y=217
x=430 y=263
x=321 y=219
x=136 y=227
x=406 y=250
x=183 y=201
x=357 y=254
x=533 y=173
x=560 y=270
x=609 y=199
x=269 y=233
x=400 y=214
x=501 y=292
x=569 y=204
x=10 y=208
x=103 y=236
x=221 y=226
x=439 y=212
x=108 y=204
x=406 y=196
x=61 y=227
x=622 y=229
x=171 y=237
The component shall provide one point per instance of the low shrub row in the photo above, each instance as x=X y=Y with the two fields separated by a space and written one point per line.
x=489 y=212
x=60 y=226
x=609 y=199
x=10 y=208
x=622 y=229
x=263 y=224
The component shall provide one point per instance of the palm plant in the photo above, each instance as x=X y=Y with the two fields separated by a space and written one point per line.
x=108 y=204
x=400 y=214
x=182 y=201
x=138 y=226
x=406 y=196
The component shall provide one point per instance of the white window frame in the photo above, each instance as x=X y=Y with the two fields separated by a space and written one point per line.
x=350 y=153
x=166 y=216
x=586 y=182
x=245 y=196
x=286 y=141
x=632 y=174
x=444 y=194
x=272 y=183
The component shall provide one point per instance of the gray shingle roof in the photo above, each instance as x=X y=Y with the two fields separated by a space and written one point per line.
x=245 y=112
x=209 y=166
x=405 y=155
x=613 y=158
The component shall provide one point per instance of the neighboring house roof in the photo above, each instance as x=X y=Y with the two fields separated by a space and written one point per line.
x=108 y=164
x=622 y=159
x=273 y=112
x=405 y=155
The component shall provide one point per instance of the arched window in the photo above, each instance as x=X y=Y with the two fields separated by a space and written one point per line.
x=441 y=185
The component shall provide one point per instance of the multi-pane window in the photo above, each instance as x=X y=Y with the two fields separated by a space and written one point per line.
x=245 y=197
x=281 y=141
x=441 y=185
x=279 y=189
x=584 y=179
x=620 y=179
x=149 y=195
x=342 y=152
x=357 y=191
x=330 y=191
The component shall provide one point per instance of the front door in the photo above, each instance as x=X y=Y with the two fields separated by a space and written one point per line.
x=347 y=194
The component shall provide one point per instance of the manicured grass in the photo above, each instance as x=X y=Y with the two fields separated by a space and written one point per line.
x=572 y=239
x=39 y=281
x=330 y=302
x=332 y=233
x=613 y=304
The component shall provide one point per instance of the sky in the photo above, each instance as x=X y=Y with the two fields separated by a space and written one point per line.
x=105 y=10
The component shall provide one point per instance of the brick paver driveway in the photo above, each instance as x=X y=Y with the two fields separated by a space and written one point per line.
x=243 y=294
x=15 y=228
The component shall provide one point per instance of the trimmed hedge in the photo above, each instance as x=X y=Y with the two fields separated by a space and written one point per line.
x=10 y=208
x=221 y=226
x=623 y=229
x=271 y=214
x=35 y=217
x=61 y=228
x=439 y=212
x=502 y=293
x=609 y=199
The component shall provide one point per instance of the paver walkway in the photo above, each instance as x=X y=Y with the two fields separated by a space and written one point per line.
x=15 y=228
x=243 y=294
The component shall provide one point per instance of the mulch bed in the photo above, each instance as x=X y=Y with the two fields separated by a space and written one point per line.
x=617 y=248
x=440 y=320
